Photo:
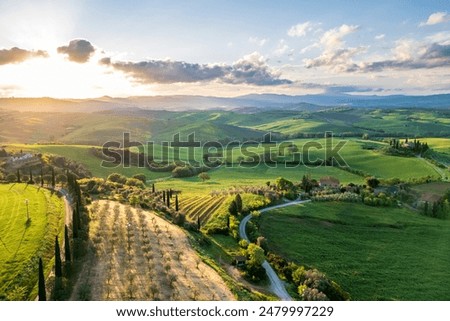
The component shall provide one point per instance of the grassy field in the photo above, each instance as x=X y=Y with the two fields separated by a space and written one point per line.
x=371 y=162
x=226 y=177
x=373 y=253
x=22 y=243
x=81 y=154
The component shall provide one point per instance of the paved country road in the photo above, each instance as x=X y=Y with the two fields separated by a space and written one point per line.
x=276 y=285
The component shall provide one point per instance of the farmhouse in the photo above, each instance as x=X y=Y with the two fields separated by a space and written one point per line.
x=239 y=260
x=21 y=160
x=329 y=181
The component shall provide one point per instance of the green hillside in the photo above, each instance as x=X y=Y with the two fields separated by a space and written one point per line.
x=22 y=242
x=373 y=253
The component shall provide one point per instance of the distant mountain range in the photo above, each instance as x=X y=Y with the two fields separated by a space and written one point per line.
x=247 y=103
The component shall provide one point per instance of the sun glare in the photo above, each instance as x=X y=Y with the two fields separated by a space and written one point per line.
x=56 y=77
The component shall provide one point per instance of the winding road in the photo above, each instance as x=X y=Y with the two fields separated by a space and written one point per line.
x=276 y=285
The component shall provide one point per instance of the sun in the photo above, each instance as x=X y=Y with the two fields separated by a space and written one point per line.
x=57 y=77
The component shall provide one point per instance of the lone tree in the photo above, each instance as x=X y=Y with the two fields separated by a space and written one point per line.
x=153 y=188
x=41 y=291
x=204 y=176
x=58 y=265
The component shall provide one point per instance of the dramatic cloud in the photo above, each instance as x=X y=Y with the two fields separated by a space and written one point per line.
x=407 y=55
x=78 y=50
x=427 y=56
x=16 y=55
x=300 y=30
x=436 y=18
x=252 y=69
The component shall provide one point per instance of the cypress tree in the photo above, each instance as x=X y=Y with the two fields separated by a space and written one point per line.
x=77 y=190
x=41 y=291
x=228 y=221
x=42 y=177
x=78 y=215
x=238 y=201
x=233 y=208
x=18 y=176
x=66 y=244
x=425 y=208
x=177 y=207
x=58 y=264
x=168 y=199
x=153 y=188
x=199 y=225
x=31 y=177
x=75 y=222
x=434 y=210
x=164 y=196
x=53 y=178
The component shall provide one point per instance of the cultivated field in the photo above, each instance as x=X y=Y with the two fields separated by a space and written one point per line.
x=431 y=192
x=22 y=242
x=200 y=207
x=374 y=253
x=139 y=256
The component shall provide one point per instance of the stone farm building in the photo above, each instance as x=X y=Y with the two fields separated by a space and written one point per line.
x=329 y=181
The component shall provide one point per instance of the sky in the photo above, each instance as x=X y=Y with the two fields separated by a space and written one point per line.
x=87 y=49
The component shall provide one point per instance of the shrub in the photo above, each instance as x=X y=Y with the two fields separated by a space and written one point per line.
x=140 y=177
x=117 y=178
x=135 y=182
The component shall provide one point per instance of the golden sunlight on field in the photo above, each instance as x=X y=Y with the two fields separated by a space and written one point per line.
x=140 y=256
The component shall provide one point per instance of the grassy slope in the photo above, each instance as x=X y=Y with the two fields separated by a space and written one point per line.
x=79 y=128
x=374 y=253
x=22 y=243
x=224 y=178
x=80 y=154
x=374 y=162
x=409 y=121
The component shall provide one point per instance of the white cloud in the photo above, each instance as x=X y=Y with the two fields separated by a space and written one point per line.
x=333 y=38
x=282 y=48
x=441 y=37
x=337 y=61
x=258 y=41
x=436 y=18
x=300 y=30
x=380 y=36
x=334 y=56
